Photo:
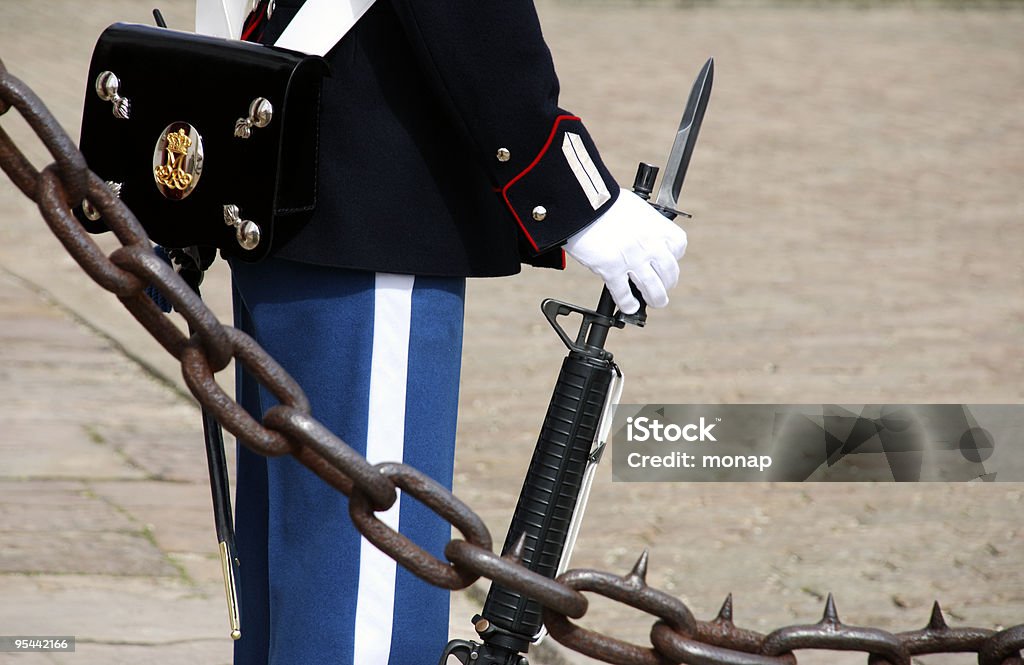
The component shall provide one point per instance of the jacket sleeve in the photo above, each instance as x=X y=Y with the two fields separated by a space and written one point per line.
x=490 y=66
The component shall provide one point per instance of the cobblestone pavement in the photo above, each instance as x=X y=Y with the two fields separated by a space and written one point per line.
x=857 y=239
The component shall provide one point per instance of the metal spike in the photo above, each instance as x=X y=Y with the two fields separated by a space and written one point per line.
x=639 y=572
x=937 y=622
x=725 y=614
x=518 y=549
x=831 y=615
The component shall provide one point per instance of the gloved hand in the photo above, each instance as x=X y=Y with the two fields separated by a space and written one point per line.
x=631 y=241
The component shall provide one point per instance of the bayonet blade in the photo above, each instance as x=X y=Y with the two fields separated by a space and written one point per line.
x=686 y=137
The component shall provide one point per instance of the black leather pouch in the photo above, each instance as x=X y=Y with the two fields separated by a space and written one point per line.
x=210 y=142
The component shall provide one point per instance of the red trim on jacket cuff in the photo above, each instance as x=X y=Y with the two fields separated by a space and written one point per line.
x=536 y=160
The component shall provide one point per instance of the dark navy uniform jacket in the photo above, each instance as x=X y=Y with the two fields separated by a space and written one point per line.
x=442 y=147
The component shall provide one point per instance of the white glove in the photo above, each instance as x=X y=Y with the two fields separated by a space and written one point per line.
x=631 y=241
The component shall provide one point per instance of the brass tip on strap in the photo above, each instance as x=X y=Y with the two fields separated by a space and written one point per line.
x=230 y=592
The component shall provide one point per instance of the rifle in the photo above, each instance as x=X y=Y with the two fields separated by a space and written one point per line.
x=573 y=437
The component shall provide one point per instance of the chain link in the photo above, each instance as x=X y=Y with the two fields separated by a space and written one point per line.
x=681 y=649
x=336 y=458
x=830 y=633
x=445 y=504
x=288 y=428
x=631 y=590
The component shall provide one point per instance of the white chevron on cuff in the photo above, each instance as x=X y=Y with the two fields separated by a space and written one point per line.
x=584 y=169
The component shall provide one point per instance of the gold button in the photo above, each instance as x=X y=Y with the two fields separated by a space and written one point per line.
x=539 y=213
x=503 y=154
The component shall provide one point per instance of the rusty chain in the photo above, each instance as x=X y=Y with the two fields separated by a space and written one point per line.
x=288 y=428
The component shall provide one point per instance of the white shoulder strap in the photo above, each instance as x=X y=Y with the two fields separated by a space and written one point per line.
x=315 y=29
x=320 y=24
x=221 y=18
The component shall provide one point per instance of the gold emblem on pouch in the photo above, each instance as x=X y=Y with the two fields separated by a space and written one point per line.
x=178 y=160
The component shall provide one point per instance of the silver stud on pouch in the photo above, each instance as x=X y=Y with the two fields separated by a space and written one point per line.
x=108 y=88
x=261 y=112
x=540 y=213
x=247 y=233
x=231 y=215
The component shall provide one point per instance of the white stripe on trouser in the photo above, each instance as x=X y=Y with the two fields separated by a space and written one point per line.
x=385 y=439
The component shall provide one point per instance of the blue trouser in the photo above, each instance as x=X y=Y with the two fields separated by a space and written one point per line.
x=379 y=357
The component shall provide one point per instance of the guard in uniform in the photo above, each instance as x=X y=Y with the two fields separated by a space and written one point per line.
x=443 y=154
